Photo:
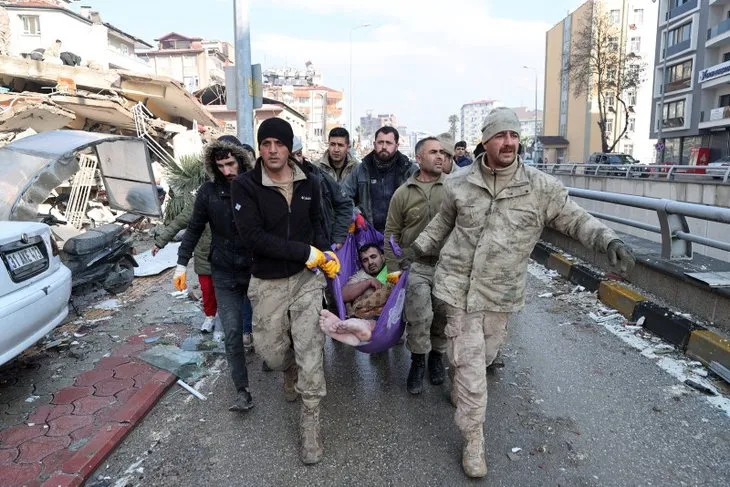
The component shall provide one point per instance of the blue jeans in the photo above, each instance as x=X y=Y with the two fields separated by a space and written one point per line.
x=230 y=291
x=247 y=316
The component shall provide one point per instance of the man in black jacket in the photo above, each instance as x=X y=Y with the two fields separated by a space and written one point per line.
x=277 y=212
x=336 y=208
x=230 y=260
x=372 y=183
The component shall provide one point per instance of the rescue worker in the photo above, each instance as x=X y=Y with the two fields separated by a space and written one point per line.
x=372 y=183
x=229 y=258
x=414 y=205
x=337 y=160
x=491 y=217
x=277 y=211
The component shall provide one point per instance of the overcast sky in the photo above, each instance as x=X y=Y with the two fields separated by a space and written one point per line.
x=421 y=59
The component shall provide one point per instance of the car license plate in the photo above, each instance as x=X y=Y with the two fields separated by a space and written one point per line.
x=24 y=257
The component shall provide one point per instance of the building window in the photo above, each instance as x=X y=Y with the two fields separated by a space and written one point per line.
x=609 y=99
x=615 y=16
x=638 y=16
x=635 y=44
x=726 y=56
x=613 y=43
x=609 y=125
x=611 y=74
x=189 y=61
x=191 y=83
x=632 y=98
x=631 y=126
x=673 y=114
x=679 y=76
x=31 y=25
x=724 y=101
x=124 y=49
x=680 y=34
x=629 y=149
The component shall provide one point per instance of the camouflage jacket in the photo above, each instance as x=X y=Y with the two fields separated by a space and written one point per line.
x=487 y=240
x=412 y=206
x=326 y=166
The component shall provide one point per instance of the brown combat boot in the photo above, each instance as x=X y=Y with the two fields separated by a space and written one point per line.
x=311 y=449
x=291 y=375
x=473 y=459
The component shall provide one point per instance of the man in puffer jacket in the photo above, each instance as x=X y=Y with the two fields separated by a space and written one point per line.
x=491 y=216
x=229 y=258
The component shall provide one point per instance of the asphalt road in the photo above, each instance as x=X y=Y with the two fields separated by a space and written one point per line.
x=585 y=408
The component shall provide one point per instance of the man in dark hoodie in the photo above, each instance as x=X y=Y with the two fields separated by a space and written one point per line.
x=277 y=212
x=230 y=259
x=372 y=183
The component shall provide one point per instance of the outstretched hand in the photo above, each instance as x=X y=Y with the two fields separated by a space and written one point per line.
x=620 y=254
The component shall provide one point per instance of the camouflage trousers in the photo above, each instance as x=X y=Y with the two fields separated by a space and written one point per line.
x=473 y=342
x=286 y=328
x=426 y=317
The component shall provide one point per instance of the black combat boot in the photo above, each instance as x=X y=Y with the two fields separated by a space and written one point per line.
x=415 y=375
x=436 y=371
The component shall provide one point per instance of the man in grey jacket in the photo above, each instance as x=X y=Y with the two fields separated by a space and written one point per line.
x=491 y=217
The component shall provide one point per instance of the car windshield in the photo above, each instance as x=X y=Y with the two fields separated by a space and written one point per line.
x=620 y=159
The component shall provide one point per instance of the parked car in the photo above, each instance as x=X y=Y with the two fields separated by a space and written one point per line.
x=34 y=286
x=616 y=164
x=718 y=168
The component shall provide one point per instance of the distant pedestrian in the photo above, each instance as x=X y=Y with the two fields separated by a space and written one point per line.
x=491 y=217
x=461 y=156
x=373 y=182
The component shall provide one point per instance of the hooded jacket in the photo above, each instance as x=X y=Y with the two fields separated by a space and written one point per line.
x=326 y=165
x=487 y=238
x=371 y=189
x=213 y=206
x=278 y=233
x=336 y=212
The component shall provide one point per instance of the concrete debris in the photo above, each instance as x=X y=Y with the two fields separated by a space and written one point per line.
x=546 y=295
x=720 y=370
x=706 y=389
x=603 y=318
x=516 y=449
x=191 y=390
x=513 y=456
x=150 y=265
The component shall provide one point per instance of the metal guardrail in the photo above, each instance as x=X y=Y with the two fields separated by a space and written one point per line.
x=653 y=171
x=676 y=236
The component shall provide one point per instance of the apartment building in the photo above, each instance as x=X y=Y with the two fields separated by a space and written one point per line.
x=472 y=118
x=194 y=61
x=692 y=76
x=571 y=130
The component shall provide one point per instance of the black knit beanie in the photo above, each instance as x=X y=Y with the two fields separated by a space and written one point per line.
x=277 y=128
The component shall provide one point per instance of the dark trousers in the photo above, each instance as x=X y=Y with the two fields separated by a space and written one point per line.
x=230 y=292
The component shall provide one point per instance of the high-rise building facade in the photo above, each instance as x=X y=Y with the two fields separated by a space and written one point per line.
x=472 y=118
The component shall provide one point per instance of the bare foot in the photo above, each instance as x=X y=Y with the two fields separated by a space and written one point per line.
x=360 y=328
x=328 y=321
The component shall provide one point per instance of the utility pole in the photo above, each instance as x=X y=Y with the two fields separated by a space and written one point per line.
x=244 y=83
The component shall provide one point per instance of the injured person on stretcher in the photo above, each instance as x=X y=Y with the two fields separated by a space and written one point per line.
x=365 y=295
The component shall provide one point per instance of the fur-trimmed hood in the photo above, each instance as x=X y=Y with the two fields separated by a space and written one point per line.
x=245 y=163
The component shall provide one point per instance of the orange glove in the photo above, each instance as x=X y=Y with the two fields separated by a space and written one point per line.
x=316 y=258
x=331 y=266
x=179 y=278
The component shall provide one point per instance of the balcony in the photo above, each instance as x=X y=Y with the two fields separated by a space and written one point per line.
x=679 y=47
x=681 y=10
x=714 y=75
x=717 y=117
x=127 y=62
x=718 y=35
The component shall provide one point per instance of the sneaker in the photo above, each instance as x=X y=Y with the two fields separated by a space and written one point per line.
x=243 y=401
x=208 y=324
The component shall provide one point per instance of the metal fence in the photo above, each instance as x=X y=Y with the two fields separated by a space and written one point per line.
x=669 y=172
x=676 y=238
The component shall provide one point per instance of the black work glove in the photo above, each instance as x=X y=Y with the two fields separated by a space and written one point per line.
x=409 y=255
x=620 y=253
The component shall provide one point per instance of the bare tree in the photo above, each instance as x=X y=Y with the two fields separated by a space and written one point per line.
x=602 y=68
x=453 y=120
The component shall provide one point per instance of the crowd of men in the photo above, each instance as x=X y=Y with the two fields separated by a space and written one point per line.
x=466 y=229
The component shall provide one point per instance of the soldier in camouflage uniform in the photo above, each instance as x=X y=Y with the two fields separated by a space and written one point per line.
x=411 y=208
x=491 y=217
x=277 y=212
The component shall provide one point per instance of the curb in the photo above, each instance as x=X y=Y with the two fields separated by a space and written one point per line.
x=690 y=337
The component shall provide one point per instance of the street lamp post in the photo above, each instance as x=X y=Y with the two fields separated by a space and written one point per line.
x=534 y=142
x=361 y=26
x=244 y=100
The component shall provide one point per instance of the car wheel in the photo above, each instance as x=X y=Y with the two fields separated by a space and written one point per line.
x=120 y=278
